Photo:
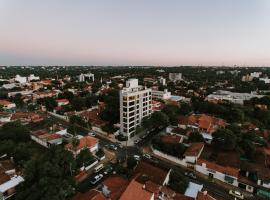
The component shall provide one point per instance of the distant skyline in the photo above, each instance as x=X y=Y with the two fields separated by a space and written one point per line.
x=135 y=32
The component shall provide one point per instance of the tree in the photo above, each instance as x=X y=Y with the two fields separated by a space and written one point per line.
x=74 y=119
x=224 y=139
x=185 y=108
x=14 y=131
x=178 y=182
x=78 y=103
x=84 y=158
x=195 y=137
x=48 y=177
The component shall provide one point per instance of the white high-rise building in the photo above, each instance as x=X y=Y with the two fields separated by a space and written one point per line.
x=175 y=76
x=135 y=104
x=86 y=77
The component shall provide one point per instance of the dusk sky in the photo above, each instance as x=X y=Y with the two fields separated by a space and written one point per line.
x=135 y=32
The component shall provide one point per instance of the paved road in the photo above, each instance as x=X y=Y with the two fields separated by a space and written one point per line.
x=121 y=153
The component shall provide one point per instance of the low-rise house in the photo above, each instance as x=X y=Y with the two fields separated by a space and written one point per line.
x=89 y=195
x=223 y=166
x=205 y=124
x=135 y=191
x=5 y=117
x=46 y=139
x=62 y=102
x=114 y=186
x=88 y=142
x=152 y=173
x=192 y=153
x=8 y=179
x=27 y=117
x=43 y=94
x=7 y=105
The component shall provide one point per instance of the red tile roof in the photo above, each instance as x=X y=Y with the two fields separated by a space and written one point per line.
x=148 y=172
x=172 y=139
x=116 y=185
x=195 y=149
x=89 y=195
x=85 y=142
x=204 y=196
x=135 y=191
x=232 y=171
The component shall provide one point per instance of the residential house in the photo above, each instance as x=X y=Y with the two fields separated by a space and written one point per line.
x=192 y=153
x=223 y=166
x=7 y=105
x=114 y=186
x=46 y=139
x=62 y=102
x=89 y=195
x=27 y=117
x=43 y=94
x=9 y=179
x=205 y=124
x=88 y=142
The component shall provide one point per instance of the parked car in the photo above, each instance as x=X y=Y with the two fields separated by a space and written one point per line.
x=136 y=141
x=113 y=147
x=147 y=156
x=96 y=179
x=98 y=168
x=191 y=175
x=119 y=145
x=236 y=194
x=92 y=134
x=137 y=157
x=108 y=170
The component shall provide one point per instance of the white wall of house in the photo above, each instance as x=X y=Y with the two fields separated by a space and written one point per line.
x=39 y=141
x=217 y=175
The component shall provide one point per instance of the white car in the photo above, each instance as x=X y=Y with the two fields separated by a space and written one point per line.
x=96 y=179
x=92 y=134
x=147 y=156
x=136 y=157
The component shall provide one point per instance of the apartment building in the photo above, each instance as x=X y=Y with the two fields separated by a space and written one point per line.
x=175 y=76
x=135 y=104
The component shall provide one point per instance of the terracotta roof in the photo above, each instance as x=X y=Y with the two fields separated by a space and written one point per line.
x=116 y=185
x=182 y=197
x=62 y=100
x=203 y=121
x=152 y=187
x=89 y=195
x=85 y=142
x=148 y=172
x=5 y=102
x=93 y=117
x=194 y=149
x=136 y=191
x=204 y=196
x=172 y=139
x=219 y=168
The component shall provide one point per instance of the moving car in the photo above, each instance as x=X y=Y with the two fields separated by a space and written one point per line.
x=236 y=194
x=97 y=178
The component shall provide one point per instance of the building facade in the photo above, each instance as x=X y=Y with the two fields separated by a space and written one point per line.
x=135 y=104
x=175 y=76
